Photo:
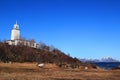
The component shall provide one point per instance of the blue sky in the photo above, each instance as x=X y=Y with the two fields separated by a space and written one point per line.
x=82 y=28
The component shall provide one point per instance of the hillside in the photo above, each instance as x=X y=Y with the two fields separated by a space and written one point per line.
x=20 y=53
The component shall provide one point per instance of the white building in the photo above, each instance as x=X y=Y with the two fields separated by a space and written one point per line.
x=15 y=33
x=15 y=38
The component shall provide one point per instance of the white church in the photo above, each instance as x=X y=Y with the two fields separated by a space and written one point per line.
x=16 y=40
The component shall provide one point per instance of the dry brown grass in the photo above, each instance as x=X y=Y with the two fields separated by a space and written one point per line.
x=29 y=71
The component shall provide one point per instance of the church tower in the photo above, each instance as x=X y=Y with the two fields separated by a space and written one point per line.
x=15 y=33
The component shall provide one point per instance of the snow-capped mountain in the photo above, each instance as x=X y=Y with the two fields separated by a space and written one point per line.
x=105 y=59
x=108 y=59
x=89 y=60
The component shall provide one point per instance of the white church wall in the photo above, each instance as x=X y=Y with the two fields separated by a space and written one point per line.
x=15 y=34
x=15 y=38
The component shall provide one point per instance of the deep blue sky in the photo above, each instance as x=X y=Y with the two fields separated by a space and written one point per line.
x=82 y=28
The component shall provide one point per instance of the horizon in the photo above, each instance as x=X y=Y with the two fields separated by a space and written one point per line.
x=82 y=28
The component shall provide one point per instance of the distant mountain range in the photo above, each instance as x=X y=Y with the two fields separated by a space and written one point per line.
x=105 y=59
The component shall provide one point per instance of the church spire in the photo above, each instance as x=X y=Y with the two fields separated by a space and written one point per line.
x=16 y=26
x=16 y=21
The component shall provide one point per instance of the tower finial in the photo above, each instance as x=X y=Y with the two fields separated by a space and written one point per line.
x=16 y=21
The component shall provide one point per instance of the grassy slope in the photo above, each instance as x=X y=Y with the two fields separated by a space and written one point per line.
x=29 y=71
